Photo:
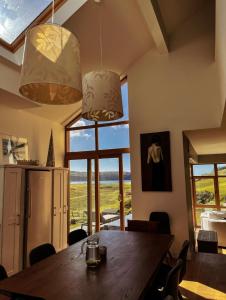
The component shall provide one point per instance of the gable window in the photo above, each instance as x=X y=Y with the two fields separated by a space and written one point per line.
x=98 y=155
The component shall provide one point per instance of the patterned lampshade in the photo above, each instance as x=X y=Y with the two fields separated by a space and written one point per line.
x=102 y=100
x=51 y=66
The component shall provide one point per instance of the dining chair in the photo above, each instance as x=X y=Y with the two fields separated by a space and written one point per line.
x=168 y=298
x=76 y=236
x=143 y=226
x=3 y=273
x=163 y=219
x=18 y=296
x=41 y=252
x=165 y=268
x=170 y=287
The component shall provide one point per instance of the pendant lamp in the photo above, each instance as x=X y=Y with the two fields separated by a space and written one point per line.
x=51 y=65
x=102 y=99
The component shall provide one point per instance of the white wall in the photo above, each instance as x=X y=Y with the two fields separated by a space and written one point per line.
x=36 y=130
x=173 y=92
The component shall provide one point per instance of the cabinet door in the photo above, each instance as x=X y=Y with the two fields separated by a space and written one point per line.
x=60 y=208
x=39 y=221
x=57 y=209
x=65 y=211
x=11 y=229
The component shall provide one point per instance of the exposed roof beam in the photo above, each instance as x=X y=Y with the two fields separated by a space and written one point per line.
x=151 y=12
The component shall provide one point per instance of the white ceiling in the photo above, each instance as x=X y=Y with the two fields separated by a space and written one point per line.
x=125 y=34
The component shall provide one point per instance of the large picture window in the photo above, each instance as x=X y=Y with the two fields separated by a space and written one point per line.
x=98 y=155
x=208 y=188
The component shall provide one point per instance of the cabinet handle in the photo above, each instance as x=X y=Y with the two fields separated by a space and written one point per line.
x=18 y=219
x=54 y=211
x=65 y=209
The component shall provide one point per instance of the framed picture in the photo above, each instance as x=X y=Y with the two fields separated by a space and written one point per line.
x=12 y=149
x=156 y=162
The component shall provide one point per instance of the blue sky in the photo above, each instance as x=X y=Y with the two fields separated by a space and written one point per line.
x=205 y=169
x=112 y=137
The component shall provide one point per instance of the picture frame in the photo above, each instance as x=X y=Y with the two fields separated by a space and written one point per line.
x=156 y=162
x=13 y=148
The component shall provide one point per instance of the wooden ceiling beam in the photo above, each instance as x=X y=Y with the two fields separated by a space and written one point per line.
x=151 y=12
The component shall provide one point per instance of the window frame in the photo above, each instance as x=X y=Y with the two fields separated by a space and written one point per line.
x=215 y=178
x=41 y=18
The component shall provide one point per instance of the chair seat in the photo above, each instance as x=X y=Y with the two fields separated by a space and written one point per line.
x=163 y=272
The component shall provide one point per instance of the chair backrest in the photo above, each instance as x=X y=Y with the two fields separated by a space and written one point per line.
x=76 y=236
x=169 y=298
x=183 y=256
x=18 y=296
x=41 y=252
x=172 y=281
x=163 y=219
x=143 y=226
x=3 y=274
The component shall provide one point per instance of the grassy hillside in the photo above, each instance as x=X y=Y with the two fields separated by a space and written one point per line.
x=205 y=191
x=108 y=200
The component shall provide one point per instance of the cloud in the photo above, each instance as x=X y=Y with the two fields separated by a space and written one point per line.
x=80 y=133
x=116 y=127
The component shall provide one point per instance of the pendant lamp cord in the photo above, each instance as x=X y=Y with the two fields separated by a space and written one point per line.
x=53 y=10
x=101 y=35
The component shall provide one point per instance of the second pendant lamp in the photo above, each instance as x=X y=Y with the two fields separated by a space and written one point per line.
x=102 y=99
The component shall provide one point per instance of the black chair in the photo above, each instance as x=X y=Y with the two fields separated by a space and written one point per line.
x=76 y=236
x=164 y=270
x=142 y=226
x=168 y=298
x=171 y=286
x=3 y=274
x=18 y=296
x=41 y=252
x=163 y=219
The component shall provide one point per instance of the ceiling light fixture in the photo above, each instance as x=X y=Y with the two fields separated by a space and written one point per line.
x=51 y=65
x=102 y=99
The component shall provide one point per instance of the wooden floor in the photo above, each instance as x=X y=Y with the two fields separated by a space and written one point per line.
x=205 y=278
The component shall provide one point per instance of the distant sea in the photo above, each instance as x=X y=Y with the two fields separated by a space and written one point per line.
x=101 y=181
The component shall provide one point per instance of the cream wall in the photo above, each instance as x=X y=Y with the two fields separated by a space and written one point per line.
x=173 y=92
x=36 y=130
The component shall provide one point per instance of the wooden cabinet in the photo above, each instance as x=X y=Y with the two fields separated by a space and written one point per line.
x=12 y=220
x=60 y=208
x=33 y=210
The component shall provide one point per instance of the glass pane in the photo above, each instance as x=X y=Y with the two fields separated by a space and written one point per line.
x=127 y=186
x=199 y=211
x=109 y=192
x=78 y=194
x=222 y=190
x=221 y=169
x=82 y=122
x=205 y=191
x=114 y=137
x=17 y=15
x=82 y=140
x=203 y=170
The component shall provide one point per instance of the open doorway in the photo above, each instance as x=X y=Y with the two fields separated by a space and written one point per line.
x=205 y=167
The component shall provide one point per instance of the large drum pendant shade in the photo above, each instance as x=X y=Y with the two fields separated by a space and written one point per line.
x=102 y=100
x=51 y=66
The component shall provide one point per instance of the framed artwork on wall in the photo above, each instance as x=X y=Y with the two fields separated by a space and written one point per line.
x=156 y=162
x=13 y=149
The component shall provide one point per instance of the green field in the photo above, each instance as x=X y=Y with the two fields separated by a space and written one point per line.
x=205 y=192
x=109 y=193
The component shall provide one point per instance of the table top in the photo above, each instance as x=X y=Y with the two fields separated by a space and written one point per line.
x=132 y=260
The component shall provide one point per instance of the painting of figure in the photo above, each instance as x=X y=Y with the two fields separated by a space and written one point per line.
x=156 y=162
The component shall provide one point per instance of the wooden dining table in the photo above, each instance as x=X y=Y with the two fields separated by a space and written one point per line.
x=133 y=259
